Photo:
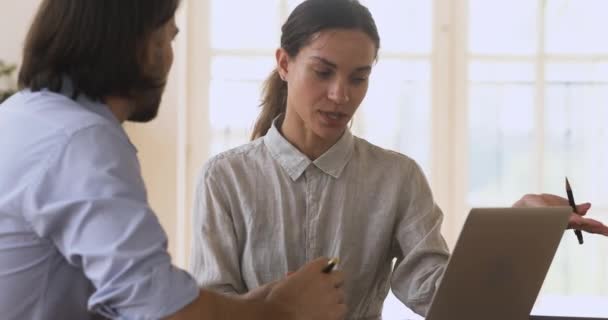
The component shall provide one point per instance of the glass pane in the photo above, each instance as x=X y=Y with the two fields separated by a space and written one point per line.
x=404 y=25
x=228 y=138
x=576 y=133
x=396 y=111
x=245 y=24
x=235 y=89
x=488 y=72
x=577 y=72
x=576 y=145
x=577 y=281
x=231 y=98
x=501 y=132
x=503 y=27
x=576 y=26
x=241 y=68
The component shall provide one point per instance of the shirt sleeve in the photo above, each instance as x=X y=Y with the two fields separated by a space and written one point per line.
x=422 y=253
x=215 y=261
x=90 y=203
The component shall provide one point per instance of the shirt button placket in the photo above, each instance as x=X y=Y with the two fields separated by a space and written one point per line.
x=313 y=216
x=305 y=225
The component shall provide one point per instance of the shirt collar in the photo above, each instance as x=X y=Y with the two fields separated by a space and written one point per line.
x=288 y=156
x=98 y=107
x=332 y=162
x=95 y=106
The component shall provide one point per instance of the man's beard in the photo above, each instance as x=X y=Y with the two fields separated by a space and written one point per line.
x=147 y=103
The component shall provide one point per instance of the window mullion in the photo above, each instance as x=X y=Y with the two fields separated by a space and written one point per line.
x=449 y=109
x=540 y=85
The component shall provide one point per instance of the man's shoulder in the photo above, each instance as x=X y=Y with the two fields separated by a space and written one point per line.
x=35 y=126
x=50 y=112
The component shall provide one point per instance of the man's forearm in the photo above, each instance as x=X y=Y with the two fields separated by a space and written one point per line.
x=214 y=306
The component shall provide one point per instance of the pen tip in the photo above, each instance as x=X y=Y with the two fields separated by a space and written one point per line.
x=567 y=183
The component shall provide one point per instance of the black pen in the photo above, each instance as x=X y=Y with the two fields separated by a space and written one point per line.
x=579 y=234
x=330 y=265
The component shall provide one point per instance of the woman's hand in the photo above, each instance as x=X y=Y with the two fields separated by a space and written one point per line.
x=577 y=221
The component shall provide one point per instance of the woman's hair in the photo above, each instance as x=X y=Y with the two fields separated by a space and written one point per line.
x=306 y=20
x=98 y=44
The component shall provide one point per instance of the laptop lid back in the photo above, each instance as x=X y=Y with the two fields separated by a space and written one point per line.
x=499 y=263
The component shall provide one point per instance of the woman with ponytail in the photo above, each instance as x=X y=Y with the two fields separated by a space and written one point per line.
x=305 y=187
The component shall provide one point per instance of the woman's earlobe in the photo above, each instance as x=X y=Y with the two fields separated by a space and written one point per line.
x=282 y=76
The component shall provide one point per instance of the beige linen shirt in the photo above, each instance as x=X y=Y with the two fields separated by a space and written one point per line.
x=264 y=209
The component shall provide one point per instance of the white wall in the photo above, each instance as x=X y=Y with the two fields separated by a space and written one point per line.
x=15 y=17
x=156 y=143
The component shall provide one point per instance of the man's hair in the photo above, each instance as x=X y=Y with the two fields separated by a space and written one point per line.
x=98 y=44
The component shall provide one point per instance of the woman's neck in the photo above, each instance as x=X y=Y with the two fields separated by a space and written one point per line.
x=303 y=138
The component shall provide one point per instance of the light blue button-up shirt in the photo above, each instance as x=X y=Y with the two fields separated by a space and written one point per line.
x=77 y=235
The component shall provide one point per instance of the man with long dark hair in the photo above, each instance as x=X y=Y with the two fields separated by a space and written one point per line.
x=78 y=239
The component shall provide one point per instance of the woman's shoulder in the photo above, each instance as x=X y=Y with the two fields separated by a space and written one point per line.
x=389 y=164
x=371 y=152
x=239 y=157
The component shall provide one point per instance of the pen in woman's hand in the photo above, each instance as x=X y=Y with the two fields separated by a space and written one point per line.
x=579 y=234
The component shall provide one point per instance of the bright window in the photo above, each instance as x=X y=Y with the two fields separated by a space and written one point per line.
x=537 y=109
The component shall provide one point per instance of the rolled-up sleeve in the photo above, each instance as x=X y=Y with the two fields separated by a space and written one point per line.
x=215 y=251
x=422 y=253
x=90 y=203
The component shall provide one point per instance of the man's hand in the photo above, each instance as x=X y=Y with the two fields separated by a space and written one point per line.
x=310 y=294
x=260 y=293
x=577 y=221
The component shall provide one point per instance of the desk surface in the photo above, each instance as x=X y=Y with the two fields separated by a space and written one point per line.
x=553 y=307
x=562 y=318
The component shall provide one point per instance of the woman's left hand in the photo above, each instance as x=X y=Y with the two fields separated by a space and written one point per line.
x=577 y=221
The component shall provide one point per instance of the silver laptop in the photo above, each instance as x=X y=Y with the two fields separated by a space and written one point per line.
x=499 y=264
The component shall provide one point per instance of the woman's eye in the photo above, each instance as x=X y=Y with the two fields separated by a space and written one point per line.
x=359 y=80
x=324 y=74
